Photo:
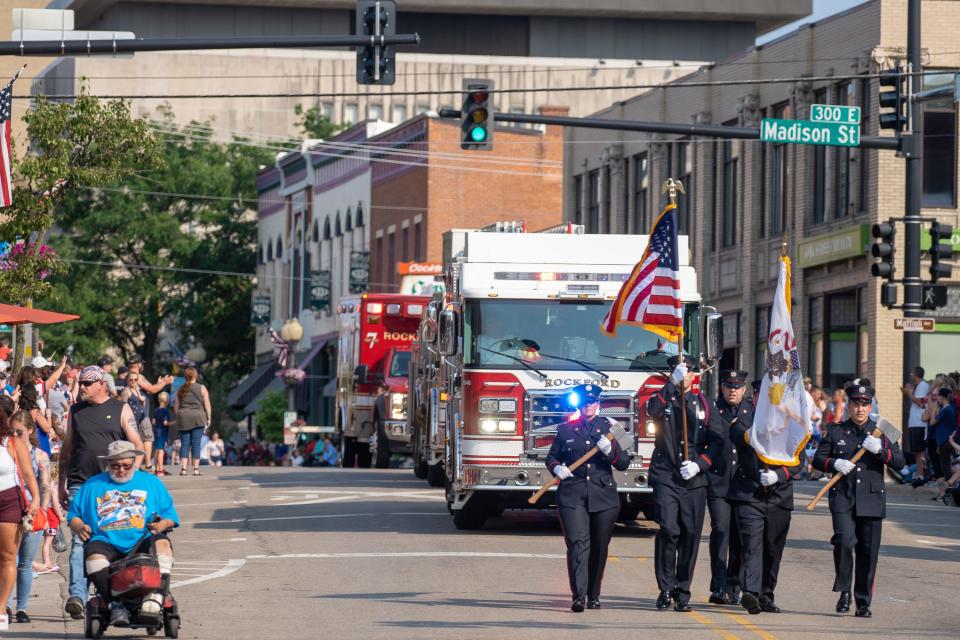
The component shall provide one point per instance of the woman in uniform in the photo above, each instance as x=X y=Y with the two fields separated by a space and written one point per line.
x=587 y=500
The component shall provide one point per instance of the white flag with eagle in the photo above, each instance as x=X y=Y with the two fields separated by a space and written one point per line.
x=781 y=424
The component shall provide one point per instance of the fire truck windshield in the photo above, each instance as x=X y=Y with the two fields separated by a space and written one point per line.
x=548 y=333
x=400 y=364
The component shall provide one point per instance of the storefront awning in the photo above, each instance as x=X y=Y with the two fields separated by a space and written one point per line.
x=252 y=385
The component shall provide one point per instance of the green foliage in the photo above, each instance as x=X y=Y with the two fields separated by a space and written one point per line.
x=314 y=124
x=86 y=142
x=143 y=257
x=270 y=415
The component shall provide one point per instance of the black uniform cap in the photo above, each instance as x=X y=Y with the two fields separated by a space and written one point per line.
x=690 y=361
x=734 y=378
x=584 y=394
x=859 y=392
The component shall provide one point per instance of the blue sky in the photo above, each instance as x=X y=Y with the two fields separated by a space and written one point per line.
x=821 y=9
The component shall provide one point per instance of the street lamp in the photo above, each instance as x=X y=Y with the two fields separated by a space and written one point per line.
x=291 y=332
x=197 y=353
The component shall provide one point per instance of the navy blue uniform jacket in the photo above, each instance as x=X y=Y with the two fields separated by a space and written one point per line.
x=593 y=481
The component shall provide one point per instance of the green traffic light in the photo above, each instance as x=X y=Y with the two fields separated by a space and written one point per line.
x=478 y=134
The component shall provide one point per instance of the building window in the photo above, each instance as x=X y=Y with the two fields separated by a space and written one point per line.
x=762 y=323
x=269 y=252
x=422 y=108
x=417 y=243
x=842 y=318
x=685 y=172
x=326 y=110
x=405 y=245
x=819 y=200
x=327 y=235
x=578 y=199
x=607 y=201
x=814 y=363
x=841 y=162
x=593 y=209
x=351 y=114
x=641 y=186
x=730 y=153
x=279 y=252
x=399 y=113
x=864 y=155
x=392 y=258
x=779 y=170
x=337 y=229
x=359 y=222
x=939 y=147
x=375 y=111
x=380 y=261
x=315 y=234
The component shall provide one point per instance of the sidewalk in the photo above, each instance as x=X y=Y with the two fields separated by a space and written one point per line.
x=46 y=609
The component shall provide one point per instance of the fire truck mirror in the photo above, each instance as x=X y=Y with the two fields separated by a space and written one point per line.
x=448 y=332
x=360 y=374
x=714 y=337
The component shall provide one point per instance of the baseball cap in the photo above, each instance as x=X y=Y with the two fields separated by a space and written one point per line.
x=4 y=366
x=40 y=362
x=104 y=360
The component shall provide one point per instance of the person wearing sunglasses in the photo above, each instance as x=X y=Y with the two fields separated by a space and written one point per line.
x=858 y=501
x=113 y=511
x=95 y=422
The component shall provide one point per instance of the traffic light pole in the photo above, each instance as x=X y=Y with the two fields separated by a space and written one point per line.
x=135 y=45
x=912 y=151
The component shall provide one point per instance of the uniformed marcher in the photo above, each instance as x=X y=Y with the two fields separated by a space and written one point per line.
x=725 y=556
x=858 y=502
x=762 y=499
x=679 y=484
x=587 y=499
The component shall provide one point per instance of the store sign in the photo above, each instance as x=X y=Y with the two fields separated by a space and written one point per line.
x=839 y=245
x=260 y=310
x=320 y=290
x=359 y=271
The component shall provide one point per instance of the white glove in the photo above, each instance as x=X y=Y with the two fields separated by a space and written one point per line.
x=871 y=444
x=843 y=466
x=768 y=478
x=605 y=446
x=689 y=469
x=679 y=373
x=562 y=472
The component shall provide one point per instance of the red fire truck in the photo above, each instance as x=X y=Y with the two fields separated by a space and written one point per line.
x=375 y=334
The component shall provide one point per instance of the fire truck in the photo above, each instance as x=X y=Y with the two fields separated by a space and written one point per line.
x=375 y=334
x=518 y=328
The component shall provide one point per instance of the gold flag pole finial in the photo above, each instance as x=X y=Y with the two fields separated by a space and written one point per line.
x=672 y=186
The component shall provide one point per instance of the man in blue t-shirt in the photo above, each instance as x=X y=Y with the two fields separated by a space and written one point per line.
x=111 y=514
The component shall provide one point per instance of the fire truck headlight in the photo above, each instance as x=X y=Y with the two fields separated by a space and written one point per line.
x=506 y=426
x=398 y=406
x=488 y=425
x=651 y=428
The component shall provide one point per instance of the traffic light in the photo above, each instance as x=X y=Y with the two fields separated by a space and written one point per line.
x=375 y=63
x=893 y=100
x=940 y=231
x=883 y=250
x=476 y=115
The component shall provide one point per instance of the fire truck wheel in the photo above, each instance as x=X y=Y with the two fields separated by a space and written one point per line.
x=382 y=459
x=420 y=469
x=436 y=476
x=470 y=517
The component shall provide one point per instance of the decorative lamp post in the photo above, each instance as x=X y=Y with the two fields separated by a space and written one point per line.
x=292 y=332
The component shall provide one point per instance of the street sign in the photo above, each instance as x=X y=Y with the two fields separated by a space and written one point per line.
x=934 y=296
x=926 y=325
x=320 y=289
x=805 y=132
x=834 y=113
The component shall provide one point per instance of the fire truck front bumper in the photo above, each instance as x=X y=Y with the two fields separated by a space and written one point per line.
x=531 y=476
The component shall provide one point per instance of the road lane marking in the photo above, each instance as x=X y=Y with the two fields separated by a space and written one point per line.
x=939 y=543
x=231 y=566
x=613 y=559
x=410 y=554
x=742 y=620
x=203 y=540
x=707 y=622
x=204 y=504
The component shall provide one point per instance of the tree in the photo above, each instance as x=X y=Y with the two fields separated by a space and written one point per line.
x=273 y=404
x=73 y=145
x=169 y=250
x=314 y=124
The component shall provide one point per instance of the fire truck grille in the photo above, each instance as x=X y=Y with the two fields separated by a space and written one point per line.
x=544 y=412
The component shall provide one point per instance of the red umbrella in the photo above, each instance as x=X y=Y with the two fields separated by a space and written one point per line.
x=11 y=314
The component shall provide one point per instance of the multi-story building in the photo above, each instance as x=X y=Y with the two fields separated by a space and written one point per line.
x=601 y=48
x=745 y=198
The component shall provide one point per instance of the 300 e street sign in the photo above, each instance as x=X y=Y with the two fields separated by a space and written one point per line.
x=805 y=132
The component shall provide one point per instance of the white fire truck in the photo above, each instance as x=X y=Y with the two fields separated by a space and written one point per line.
x=518 y=328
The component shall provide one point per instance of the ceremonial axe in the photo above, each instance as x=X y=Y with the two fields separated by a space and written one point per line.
x=616 y=433
x=884 y=428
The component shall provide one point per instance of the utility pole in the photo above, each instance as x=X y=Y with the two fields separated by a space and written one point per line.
x=911 y=149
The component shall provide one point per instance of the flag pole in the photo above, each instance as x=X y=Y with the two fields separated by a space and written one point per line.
x=672 y=187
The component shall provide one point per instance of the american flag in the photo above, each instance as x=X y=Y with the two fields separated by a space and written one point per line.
x=651 y=295
x=281 y=347
x=6 y=159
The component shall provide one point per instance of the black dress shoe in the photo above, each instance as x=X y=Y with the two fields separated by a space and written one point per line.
x=577 y=606
x=769 y=606
x=751 y=603
x=720 y=597
x=22 y=617
x=863 y=612
x=734 y=597
x=593 y=603
x=682 y=606
x=843 y=604
x=663 y=600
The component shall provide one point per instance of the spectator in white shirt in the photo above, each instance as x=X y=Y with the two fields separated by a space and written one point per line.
x=916 y=391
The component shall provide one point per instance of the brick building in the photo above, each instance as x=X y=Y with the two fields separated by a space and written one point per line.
x=744 y=198
x=438 y=187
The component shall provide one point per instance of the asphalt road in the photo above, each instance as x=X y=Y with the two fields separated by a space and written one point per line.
x=299 y=553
